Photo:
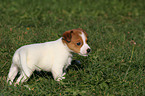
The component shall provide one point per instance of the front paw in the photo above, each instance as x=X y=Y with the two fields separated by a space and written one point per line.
x=63 y=74
x=60 y=78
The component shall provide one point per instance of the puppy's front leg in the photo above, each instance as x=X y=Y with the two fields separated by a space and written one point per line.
x=68 y=63
x=57 y=72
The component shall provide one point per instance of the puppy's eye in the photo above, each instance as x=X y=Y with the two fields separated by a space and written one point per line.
x=79 y=43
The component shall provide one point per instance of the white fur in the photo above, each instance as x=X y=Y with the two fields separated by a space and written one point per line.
x=50 y=56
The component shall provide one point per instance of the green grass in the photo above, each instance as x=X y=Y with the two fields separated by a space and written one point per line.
x=115 y=66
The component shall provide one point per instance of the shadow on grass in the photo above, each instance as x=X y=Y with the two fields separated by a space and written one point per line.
x=75 y=65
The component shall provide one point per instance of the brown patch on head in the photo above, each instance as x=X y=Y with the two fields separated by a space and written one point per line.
x=73 y=39
x=83 y=31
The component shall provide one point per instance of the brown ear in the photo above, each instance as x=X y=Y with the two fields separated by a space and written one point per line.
x=67 y=36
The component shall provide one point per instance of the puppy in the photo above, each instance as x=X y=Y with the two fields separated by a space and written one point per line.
x=54 y=56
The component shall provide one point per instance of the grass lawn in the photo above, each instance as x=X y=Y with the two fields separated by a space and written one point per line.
x=116 y=29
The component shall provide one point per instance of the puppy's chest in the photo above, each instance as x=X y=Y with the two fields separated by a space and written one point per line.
x=68 y=60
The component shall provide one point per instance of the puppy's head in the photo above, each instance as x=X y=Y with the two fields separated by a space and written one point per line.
x=76 y=40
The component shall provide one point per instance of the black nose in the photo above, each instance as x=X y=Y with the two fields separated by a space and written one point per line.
x=88 y=50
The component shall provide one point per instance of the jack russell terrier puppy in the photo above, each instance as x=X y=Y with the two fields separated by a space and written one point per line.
x=54 y=56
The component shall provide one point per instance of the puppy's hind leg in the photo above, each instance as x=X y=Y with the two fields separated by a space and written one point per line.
x=26 y=72
x=23 y=77
x=12 y=73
